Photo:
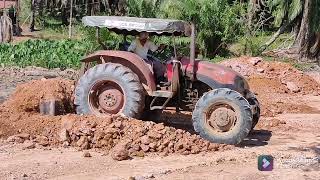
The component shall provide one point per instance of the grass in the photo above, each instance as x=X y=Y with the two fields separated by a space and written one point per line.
x=45 y=53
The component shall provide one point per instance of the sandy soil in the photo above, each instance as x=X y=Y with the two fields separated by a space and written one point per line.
x=288 y=130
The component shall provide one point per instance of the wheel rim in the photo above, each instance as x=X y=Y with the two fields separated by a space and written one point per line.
x=106 y=97
x=221 y=117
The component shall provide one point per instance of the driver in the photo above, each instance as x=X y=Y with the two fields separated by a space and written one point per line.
x=141 y=45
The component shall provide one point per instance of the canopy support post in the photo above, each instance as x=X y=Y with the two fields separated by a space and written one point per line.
x=174 y=47
x=192 y=51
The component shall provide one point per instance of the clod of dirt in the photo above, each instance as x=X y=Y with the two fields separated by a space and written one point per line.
x=260 y=70
x=42 y=140
x=292 y=87
x=64 y=136
x=29 y=145
x=255 y=60
x=271 y=123
x=83 y=142
x=87 y=154
x=19 y=138
x=28 y=96
x=120 y=152
x=24 y=136
x=15 y=139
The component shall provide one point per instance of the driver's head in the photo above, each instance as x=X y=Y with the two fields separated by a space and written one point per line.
x=144 y=36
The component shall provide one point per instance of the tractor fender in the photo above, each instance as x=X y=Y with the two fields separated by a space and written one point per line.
x=216 y=76
x=128 y=59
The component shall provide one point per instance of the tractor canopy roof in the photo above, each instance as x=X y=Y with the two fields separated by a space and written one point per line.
x=133 y=25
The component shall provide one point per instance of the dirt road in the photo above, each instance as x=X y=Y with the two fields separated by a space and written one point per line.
x=288 y=130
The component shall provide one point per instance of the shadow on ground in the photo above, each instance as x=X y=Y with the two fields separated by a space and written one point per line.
x=257 y=138
x=179 y=120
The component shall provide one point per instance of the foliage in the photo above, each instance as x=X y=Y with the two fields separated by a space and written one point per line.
x=143 y=8
x=217 y=21
x=45 y=53
x=285 y=10
x=251 y=46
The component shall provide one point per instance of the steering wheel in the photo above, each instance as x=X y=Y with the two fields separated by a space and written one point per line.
x=163 y=49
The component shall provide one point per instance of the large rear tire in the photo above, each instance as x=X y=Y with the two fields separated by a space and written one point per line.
x=110 y=89
x=222 y=116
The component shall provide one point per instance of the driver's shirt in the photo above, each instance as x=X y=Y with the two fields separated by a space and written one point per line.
x=141 y=50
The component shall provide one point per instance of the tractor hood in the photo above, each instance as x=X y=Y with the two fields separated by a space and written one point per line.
x=216 y=75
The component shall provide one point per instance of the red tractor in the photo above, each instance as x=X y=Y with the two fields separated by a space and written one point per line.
x=224 y=108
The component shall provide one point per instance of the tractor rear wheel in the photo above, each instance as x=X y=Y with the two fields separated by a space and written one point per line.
x=110 y=89
x=222 y=116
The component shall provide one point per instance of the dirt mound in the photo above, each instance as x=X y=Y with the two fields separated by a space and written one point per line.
x=282 y=77
x=38 y=126
x=11 y=76
x=138 y=137
x=119 y=135
x=275 y=98
x=277 y=85
x=27 y=96
x=105 y=134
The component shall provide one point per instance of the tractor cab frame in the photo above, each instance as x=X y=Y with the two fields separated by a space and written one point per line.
x=133 y=26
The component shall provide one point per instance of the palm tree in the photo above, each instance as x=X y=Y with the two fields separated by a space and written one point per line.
x=309 y=31
x=304 y=15
x=217 y=21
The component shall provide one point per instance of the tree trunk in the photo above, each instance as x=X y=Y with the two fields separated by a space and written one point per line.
x=296 y=29
x=304 y=36
x=64 y=16
x=32 y=18
x=92 y=8
x=315 y=49
x=251 y=12
x=17 y=26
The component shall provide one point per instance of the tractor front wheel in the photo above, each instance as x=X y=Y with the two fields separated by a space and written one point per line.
x=256 y=115
x=222 y=116
x=110 y=89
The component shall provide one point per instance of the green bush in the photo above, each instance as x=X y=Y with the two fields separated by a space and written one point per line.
x=45 y=53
